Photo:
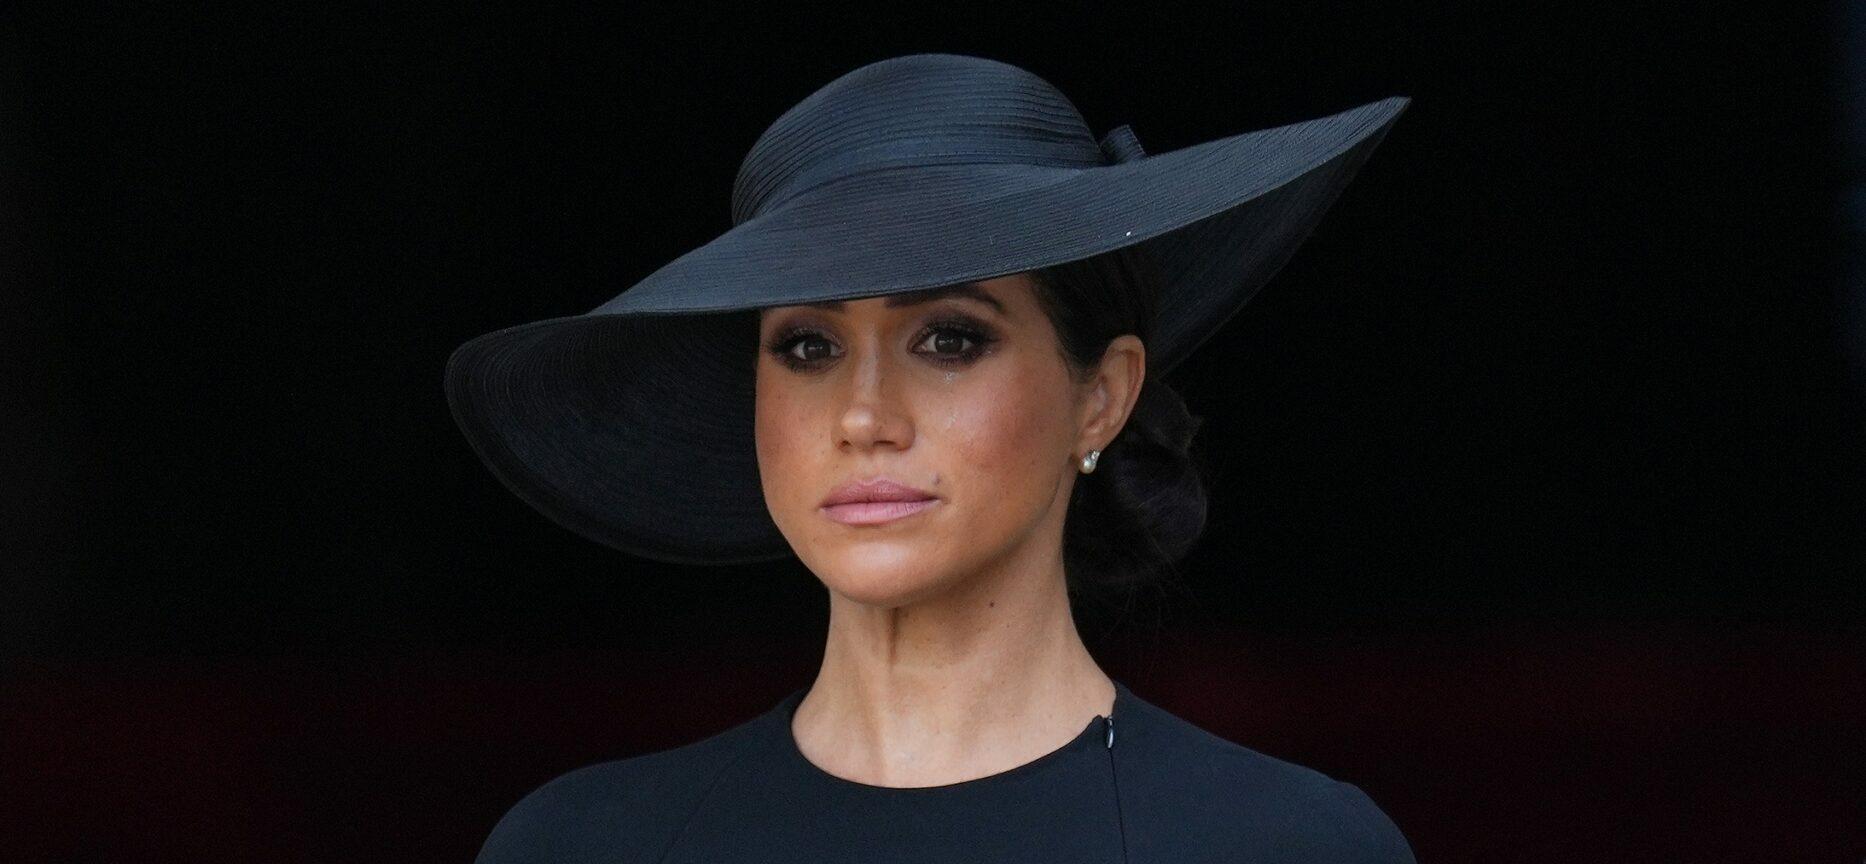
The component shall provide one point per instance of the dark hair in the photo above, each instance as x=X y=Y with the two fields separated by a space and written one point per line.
x=1144 y=506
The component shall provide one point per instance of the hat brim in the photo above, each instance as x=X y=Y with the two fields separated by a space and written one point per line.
x=632 y=424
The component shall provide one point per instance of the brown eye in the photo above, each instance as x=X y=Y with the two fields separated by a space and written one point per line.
x=800 y=348
x=947 y=342
x=813 y=349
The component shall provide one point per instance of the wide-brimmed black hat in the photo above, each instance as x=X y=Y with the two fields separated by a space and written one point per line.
x=632 y=424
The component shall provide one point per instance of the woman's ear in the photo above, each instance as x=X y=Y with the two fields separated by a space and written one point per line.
x=1112 y=392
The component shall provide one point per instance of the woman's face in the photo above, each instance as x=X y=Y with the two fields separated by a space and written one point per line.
x=960 y=394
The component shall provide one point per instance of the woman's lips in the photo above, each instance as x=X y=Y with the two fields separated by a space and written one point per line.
x=876 y=512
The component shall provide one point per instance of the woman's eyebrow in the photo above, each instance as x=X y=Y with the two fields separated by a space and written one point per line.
x=971 y=290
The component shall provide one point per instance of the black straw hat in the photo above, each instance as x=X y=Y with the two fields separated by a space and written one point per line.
x=632 y=424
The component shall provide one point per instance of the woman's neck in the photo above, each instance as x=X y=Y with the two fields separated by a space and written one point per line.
x=973 y=682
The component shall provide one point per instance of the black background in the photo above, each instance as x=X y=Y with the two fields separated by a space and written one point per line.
x=1573 y=350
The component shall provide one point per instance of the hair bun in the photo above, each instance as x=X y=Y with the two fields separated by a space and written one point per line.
x=1168 y=422
x=1144 y=507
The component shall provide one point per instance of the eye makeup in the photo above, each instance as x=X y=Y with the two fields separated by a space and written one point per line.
x=783 y=345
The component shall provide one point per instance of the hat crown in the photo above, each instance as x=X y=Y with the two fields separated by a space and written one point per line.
x=912 y=111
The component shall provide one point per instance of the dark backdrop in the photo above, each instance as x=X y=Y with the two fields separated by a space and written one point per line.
x=1541 y=508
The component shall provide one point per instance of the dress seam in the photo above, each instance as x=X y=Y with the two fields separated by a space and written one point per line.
x=1115 y=778
x=691 y=814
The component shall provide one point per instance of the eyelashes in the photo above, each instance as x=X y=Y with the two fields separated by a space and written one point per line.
x=784 y=344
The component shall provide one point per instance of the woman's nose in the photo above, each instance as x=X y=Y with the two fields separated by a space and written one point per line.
x=872 y=413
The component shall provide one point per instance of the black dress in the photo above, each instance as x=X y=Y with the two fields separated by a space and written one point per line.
x=1140 y=786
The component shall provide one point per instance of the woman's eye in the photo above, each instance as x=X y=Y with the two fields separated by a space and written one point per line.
x=947 y=342
x=800 y=349
x=810 y=349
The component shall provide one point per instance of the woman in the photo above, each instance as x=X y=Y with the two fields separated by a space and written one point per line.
x=959 y=303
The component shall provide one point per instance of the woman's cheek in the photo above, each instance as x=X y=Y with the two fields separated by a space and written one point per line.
x=781 y=458
x=993 y=443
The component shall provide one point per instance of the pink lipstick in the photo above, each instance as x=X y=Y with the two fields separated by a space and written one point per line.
x=876 y=501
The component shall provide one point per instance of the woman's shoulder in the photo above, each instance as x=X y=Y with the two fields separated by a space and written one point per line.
x=1200 y=796
x=620 y=810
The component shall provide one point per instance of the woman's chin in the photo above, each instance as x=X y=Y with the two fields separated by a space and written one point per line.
x=881 y=573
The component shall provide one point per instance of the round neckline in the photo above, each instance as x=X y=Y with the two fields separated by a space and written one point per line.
x=786 y=712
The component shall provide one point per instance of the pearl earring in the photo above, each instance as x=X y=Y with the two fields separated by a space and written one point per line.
x=1088 y=462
